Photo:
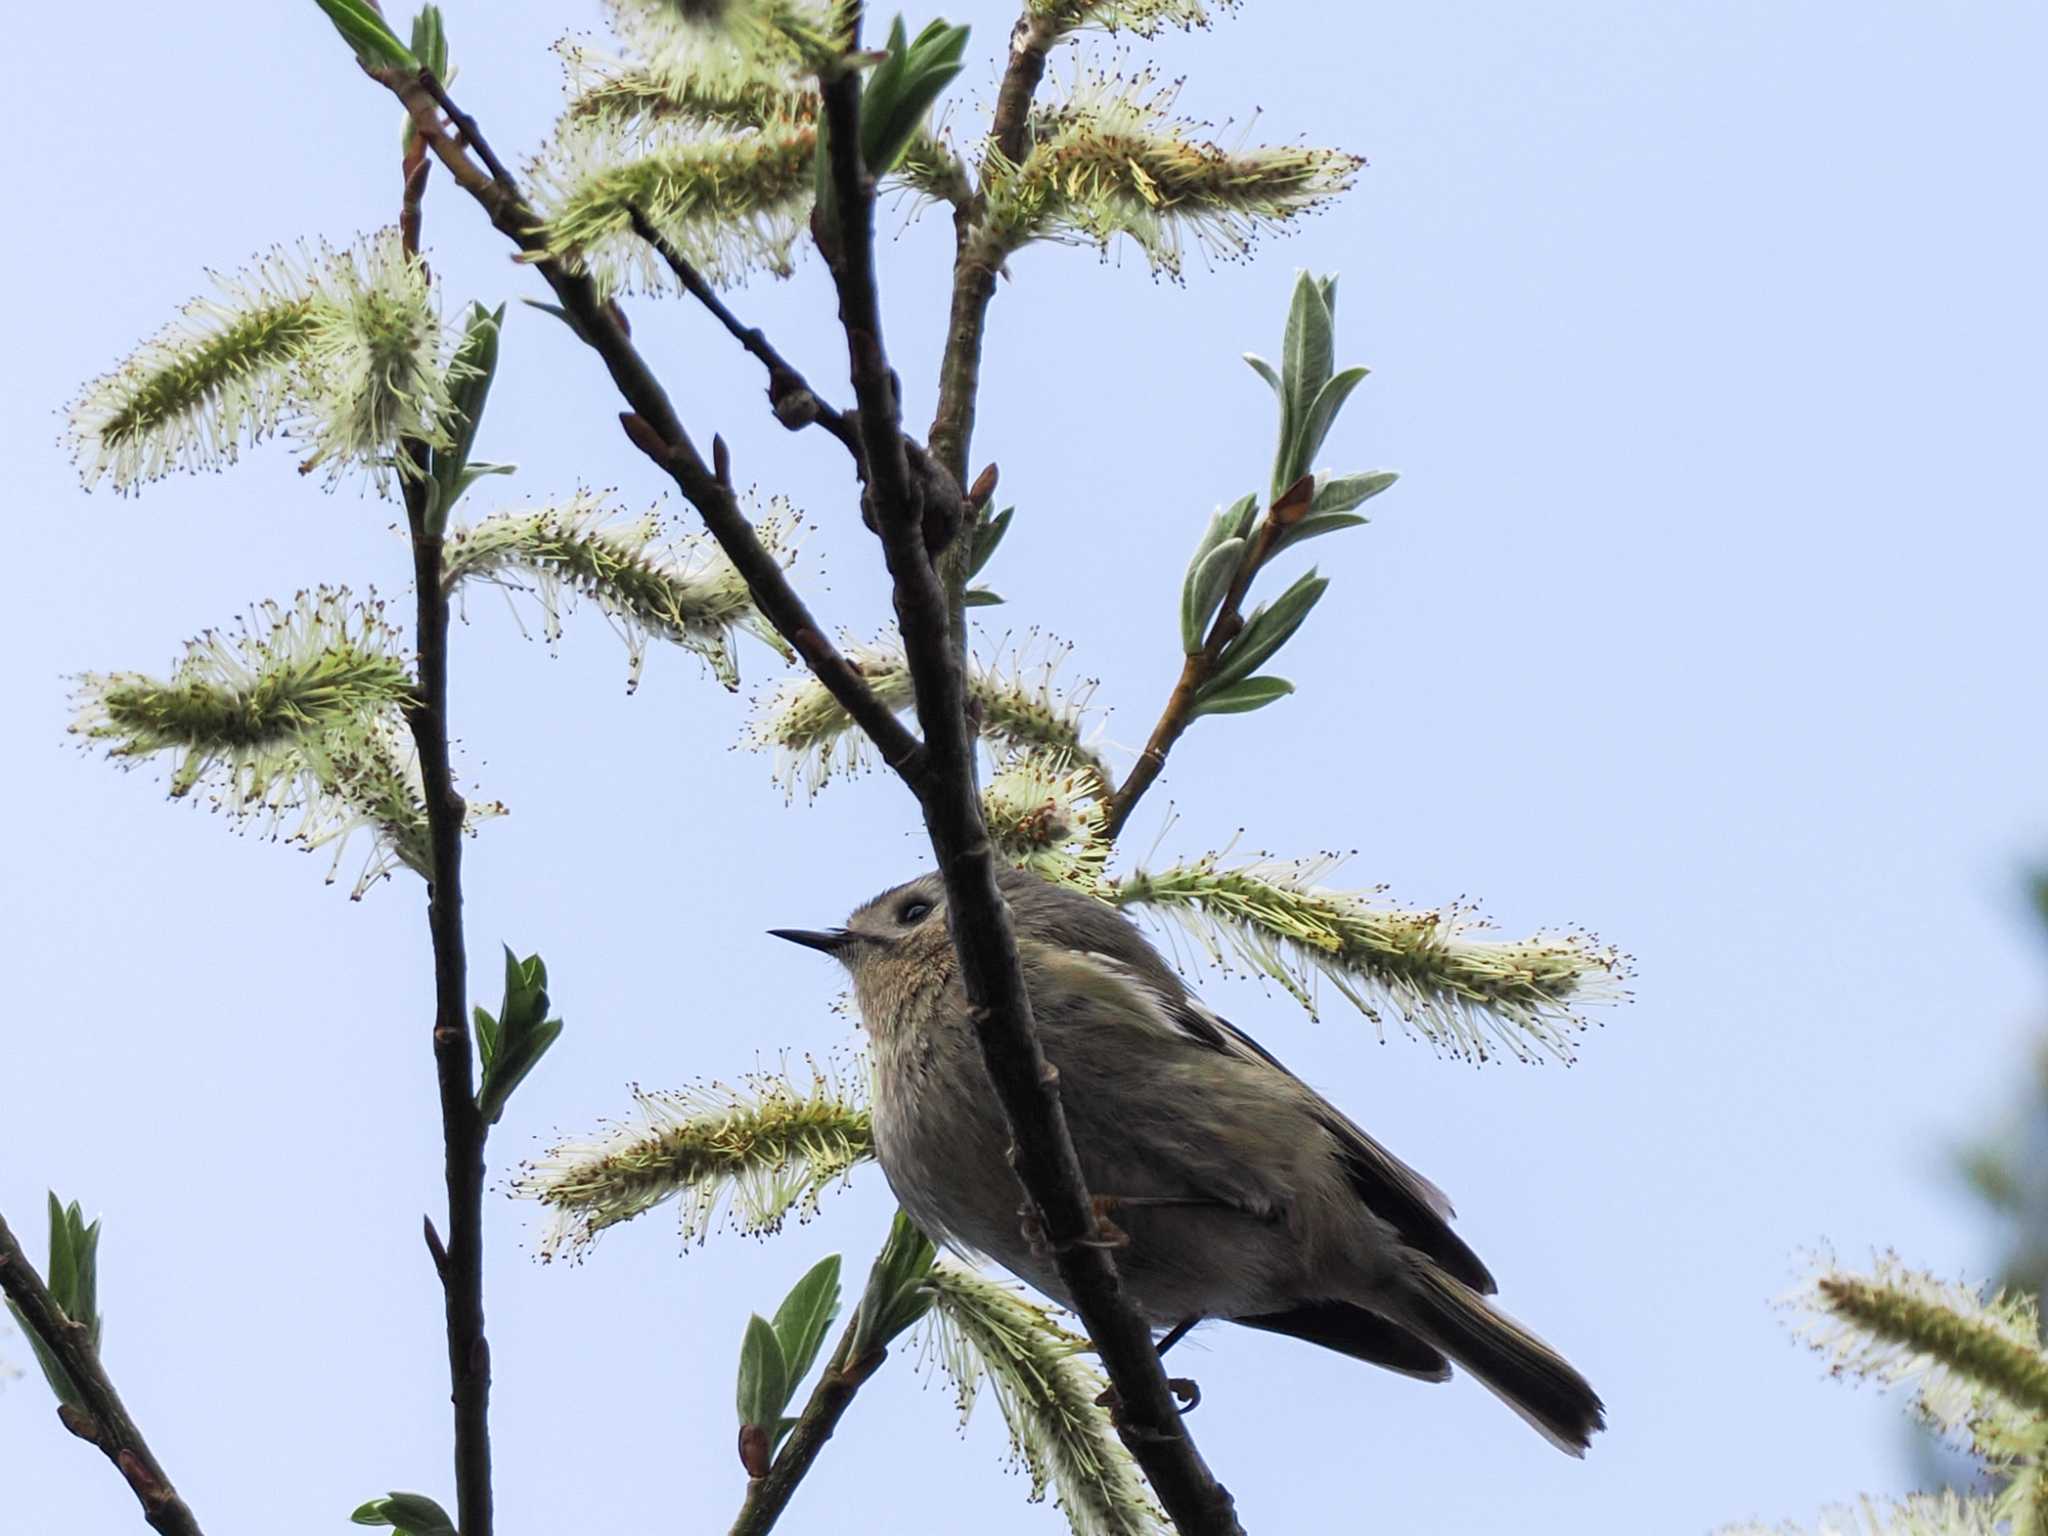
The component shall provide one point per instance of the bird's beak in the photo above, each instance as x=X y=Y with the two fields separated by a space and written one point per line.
x=831 y=940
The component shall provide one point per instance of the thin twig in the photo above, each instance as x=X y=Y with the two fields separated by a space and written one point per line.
x=768 y=1496
x=652 y=423
x=104 y=1421
x=790 y=396
x=1197 y=669
x=975 y=264
x=1042 y=1152
x=461 y=1264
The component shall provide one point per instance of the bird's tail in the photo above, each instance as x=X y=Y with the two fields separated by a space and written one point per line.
x=1516 y=1366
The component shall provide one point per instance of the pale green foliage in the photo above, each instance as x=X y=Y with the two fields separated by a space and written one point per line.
x=651 y=582
x=1112 y=160
x=1464 y=995
x=753 y=1154
x=984 y=1330
x=290 y=714
x=1023 y=705
x=343 y=351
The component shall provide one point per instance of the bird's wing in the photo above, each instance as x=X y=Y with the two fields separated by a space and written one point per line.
x=1391 y=1190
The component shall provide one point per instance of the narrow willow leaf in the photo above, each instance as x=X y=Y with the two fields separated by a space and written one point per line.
x=1321 y=413
x=764 y=1380
x=898 y=1290
x=412 y=1514
x=988 y=538
x=1315 y=525
x=1265 y=371
x=901 y=90
x=1340 y=493
x=1306 y=352
x=364 y=30
x=1240 y=697
x=473 y=368
x=1267 y=630
x=804 y=1316
x=981 y=597
x=1202 y=592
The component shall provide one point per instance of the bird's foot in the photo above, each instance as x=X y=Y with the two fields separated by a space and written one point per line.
x=1031 y=1221
x=1184 y=1388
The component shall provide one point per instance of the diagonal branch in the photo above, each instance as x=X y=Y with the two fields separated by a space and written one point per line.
x=104 y=1421
x=914 y=519
x=792 y=399
x=1197 y=669
x=768 y=1496
x=652 y=423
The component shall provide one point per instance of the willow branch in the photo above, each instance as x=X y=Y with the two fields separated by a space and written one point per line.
x=914 y=521
x=651 y=422
x=461 y=1263
x=768 y=1496
x=975 y=264
x=792 y=399
x=104 y=1421
x=1198 y=668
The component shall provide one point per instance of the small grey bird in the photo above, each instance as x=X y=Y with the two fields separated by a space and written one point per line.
x=1243 y=1194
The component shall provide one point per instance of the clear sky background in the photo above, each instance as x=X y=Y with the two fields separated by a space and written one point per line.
x=1707 y=339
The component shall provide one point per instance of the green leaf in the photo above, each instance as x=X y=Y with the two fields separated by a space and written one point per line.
x=1340 y=493
x=902 y=89
x=470 y=374
x=896 y=1294
x=1202 y=592
x=430 y=41
x=413 y=1514
x=1265 y=371
x=1305 y=366
x=1315 y=525
x=980 y=597
x=486 y=1038
x=987 y=538
x=522 y=1035
x=1266 y=631
x=764 y=1375
x=1322 y=411
x=375 y=44
x=1243 y=696
x=806 y=1312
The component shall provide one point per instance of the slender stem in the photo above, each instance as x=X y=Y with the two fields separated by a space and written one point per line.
x=975 y=262
x=103 y=1421
x=911 y=520
x=793 y=400
x=768 y=1496
x=652 y=423
x=1195 y=671
x=461 y=1264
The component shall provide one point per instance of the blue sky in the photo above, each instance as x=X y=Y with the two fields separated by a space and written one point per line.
x=1706 y=338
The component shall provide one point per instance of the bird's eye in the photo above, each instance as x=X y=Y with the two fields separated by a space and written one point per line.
x=913 y=911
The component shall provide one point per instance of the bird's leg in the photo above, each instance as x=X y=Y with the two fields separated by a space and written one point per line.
x=1185 y=1388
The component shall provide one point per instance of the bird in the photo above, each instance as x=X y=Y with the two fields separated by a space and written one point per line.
x=1235 y=1192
